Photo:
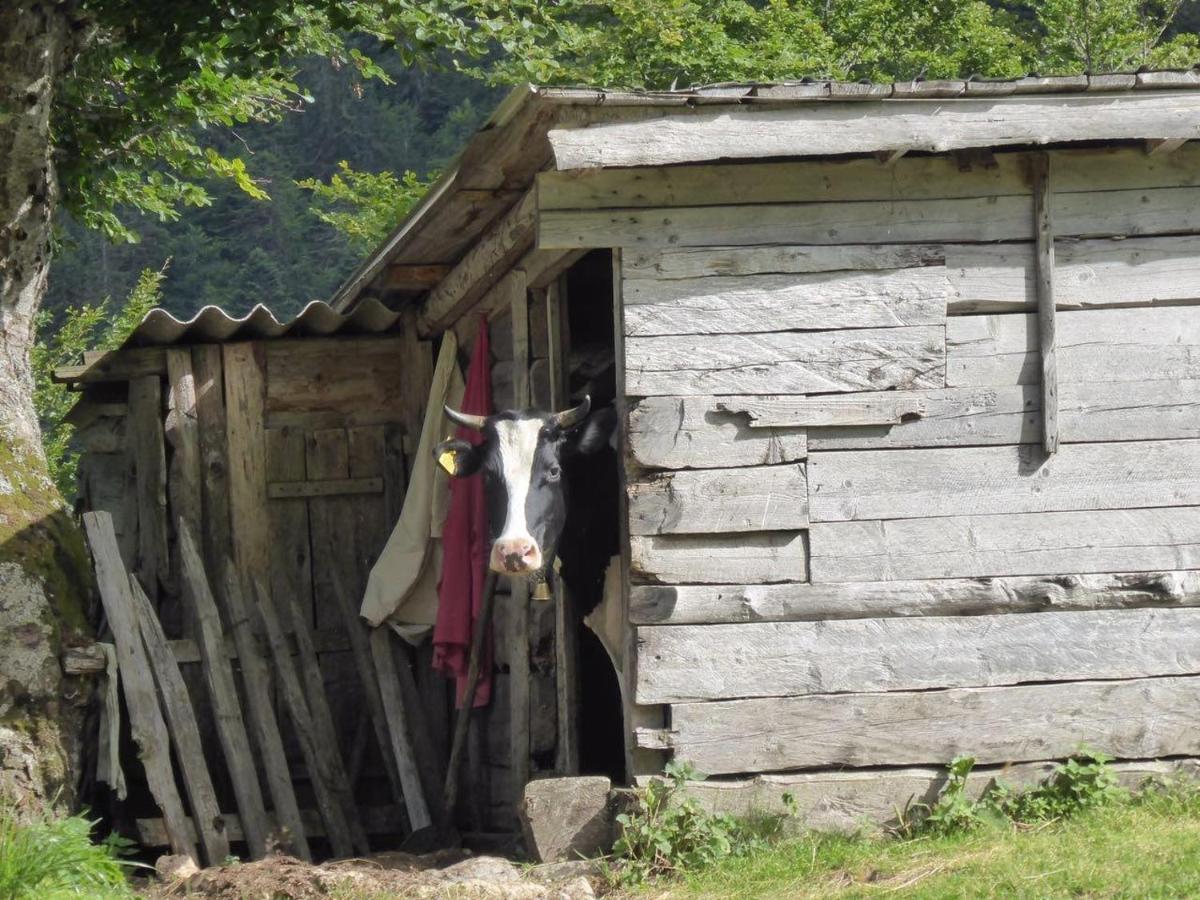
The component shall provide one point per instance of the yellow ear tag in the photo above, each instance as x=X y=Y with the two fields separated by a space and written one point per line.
x=448 y=461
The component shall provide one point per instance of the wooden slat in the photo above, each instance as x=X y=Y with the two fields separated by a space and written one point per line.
x=517 y=621
x=788 y=362
x=721 y=559
x=683 y=663
x=256 y=686
x=1043 y=229
x=115 y=365
x=689 y=263
x=397 y=719
x=146 y=721
x=148 y=451
x=227 y=711
x=409 y=277
x=764 y=498
x=380 y=820
x=889 y=408
x=183 y=433
x=698 y=604
x=208 y=372
x=245 y=408
x=331 y=487
x=1125 y=540
x=742 y=304
x=906 y=484
x=693 y=432
x=1140 y=719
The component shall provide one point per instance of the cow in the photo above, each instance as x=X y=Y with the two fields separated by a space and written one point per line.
x=522 y=458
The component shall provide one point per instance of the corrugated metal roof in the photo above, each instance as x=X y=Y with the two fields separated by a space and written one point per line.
x=212 y=325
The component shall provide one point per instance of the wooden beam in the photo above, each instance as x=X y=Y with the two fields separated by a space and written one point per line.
x=517 y=638
x=148 y=451
x=763 y=498
x=739 y=558
x=209 y=380
x=329 y=487
x=413 y=277
x=692 y=432
x=1044 y=238
x=245 y=413
x=1164 y=145
x=821 y=412
x=397 y=720
x=115 y=365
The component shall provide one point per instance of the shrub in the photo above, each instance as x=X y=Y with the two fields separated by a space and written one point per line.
x=49 y=858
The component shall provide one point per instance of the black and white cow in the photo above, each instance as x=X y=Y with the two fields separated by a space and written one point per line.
x=522 y=457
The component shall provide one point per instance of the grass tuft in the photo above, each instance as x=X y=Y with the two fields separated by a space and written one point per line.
x=48 y=858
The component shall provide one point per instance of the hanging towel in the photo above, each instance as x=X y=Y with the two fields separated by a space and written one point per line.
x=465 y=546
x=402 y=587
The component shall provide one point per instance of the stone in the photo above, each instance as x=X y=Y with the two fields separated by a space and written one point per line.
x=480 y=868
x=567 y=818
x=176 y=867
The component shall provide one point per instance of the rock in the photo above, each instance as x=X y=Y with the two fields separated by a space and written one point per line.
x=566 y=818
x=176 y=867
x=480 y=868
x=556 y=872
x=575 y=889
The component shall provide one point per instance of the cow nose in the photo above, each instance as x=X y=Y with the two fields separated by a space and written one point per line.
x=516 y=555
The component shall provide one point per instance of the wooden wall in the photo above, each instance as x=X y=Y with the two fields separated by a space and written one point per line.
x=840 y=501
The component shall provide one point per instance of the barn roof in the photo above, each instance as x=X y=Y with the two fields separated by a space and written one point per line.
x=550 y=127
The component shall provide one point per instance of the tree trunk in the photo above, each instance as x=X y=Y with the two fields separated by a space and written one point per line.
x=44 y=575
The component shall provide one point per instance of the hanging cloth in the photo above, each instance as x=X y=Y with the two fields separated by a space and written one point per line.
x=465 y=546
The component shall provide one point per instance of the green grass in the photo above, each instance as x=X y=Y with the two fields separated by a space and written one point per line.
x=50 y=859
x=1148 y=847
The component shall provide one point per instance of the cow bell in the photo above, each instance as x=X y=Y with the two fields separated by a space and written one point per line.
x=541 y=591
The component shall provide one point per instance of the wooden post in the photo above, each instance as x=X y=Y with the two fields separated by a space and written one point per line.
x=1044 y=235
x=245 y=417
x=145 y=718
x=145 y=428
x=518 y=611
x=397 y=727
x=209 y=381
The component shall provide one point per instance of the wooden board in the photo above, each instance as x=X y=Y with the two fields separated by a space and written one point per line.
x=682 y=663
x=208 y=372
x=1141 y=719
x=148 y=452
x=740 y=304
x=787 y=363
x=1147 y=344
x=330 y=487
x=397 y=719
x=693 y=432
x=115 y=365
x=720 y=559
x=884 y=408
x=762 y=498
x=245 y=397
x=1043 y=228
x=516 y=298
x=381 y=820
x=182 y=431
x=1125 y=540
x=690 y=263
x=698 y=604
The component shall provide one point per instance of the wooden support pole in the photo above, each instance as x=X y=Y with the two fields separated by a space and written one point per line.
x=146 y=446
x=1044 y=237
x=397 y=728
x=518 y=611
x=146 y=721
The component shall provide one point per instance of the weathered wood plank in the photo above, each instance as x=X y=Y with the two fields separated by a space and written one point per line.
x=148 y=451
x=742 y=304
x=245 y=408
x=381 y=820
x=687 y=263
x=146 y=721
x=115 y=365
x=1043 y=229
x=787 y=363
x=182 y=431
x=209 y=380
x=887 y=408
x=698 y=604
x=517 y=621
x=1147 y=344
x=329 y=487
x=1125 y=540
x=396 y=718
x=721 y=559
x=906 y=484
x=832 y=128
x=762 y=498
x=227 y=711
x=693 y=432
x=1141 y=719
x=682 y=663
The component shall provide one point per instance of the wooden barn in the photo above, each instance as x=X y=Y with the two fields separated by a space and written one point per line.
x=909 y=389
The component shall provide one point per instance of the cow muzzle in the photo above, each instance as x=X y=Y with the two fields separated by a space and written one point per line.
x=516 y=556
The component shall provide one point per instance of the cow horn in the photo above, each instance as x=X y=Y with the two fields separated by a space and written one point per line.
x=466 y=420
x=569 y=418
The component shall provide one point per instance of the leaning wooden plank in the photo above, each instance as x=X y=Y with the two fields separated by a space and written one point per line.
x=699 y=604
x=227 y=711
x=245 y=405
x=907 y=484
x=687 y=263
x=1140 y=719
x=887 y=408
x=147 y=448
x=1093 y=345
x=315 y=758
x=787 y=363
x=397 y=725
x=826 y=129
x=381 y=820
x=693 y=432
x=760 y=498
x=720 y=559
x=1043 y=229
x=681 y=663
x=185 y=734
x=742 y=304
x=256 y=683
x=1123 y=540
x=146 y=721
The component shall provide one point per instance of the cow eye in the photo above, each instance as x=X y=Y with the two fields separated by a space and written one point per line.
x=553 y=472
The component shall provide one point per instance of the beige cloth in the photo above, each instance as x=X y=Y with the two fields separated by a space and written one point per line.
x=402 y=586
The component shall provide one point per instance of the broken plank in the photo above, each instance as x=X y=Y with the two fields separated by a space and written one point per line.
x=887 y=408
x=693 y=432
x=720 y=559
x=331 y=487
x=761 y=498
x=1043 y=228
x=397 y=719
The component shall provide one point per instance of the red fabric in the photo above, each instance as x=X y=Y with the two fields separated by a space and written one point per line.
x=465 y=547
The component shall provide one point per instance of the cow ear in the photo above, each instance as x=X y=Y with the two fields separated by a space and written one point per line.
x=599 y=430
x=459 y=458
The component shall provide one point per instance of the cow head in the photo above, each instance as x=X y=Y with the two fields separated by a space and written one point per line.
x=521 y=456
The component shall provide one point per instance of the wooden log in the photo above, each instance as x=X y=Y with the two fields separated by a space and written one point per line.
x=787 y=363
x=397 y=720
x=682 y=663
x=742 y=304
x=317 y=757
x=227 y=711
x=1146 y=344
x=148 y=452
x=185 y=734
x=887 y=408
x=904 y=484
x=698 y=604
x=689 y=263
x=245 y=412
x=832 y=128
x=1043 y=230
x=256 y=684
x=693 y=432
x=146 y=721
x=1125 y=540
x=1140 y=719
x=208 y=372
x=329 y=487
x=762 y=498
x=721 y=559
